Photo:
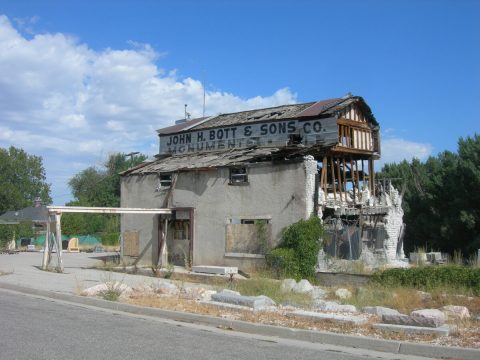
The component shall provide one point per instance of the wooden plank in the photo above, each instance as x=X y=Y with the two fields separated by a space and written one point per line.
x=372 y=177
x=344 y=178
x=353 y=124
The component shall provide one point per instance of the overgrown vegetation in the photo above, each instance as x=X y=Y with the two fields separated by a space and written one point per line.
x=441 y=200
x=296 y=256
x=431 y=277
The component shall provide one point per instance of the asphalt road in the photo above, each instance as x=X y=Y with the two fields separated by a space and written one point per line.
x=40 y=328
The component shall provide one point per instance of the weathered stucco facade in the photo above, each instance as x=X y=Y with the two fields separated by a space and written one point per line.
x=275 y=192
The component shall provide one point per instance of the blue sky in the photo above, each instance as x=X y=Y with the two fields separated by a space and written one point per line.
x=81 y=79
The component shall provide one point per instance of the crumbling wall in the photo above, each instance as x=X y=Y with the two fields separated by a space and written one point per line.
x=310 y=170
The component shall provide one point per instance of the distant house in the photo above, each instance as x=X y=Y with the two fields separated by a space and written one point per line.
x=236 y=180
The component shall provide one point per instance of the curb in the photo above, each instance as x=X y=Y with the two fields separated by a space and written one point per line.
x=389 y=346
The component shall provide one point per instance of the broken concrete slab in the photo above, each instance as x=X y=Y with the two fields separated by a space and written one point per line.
x=379 y=310
x=318 y=293
x=219 y=270
x=343 y=319
x=410 y=321
x=443 y=330
x=254 y=302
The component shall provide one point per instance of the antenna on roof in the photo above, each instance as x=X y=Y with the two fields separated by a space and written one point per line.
x=187 y=114
x=203 y=86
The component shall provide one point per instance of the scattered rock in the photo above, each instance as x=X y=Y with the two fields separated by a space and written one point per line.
x=343 y=293
x=287 y=285
x=318 y=293
x=228 y=291
x=424 y=296
x=165 y=288
x=333 y=306
x=436 y=315
x=207 y=295
x=94 y=290
x=411 y=320
x=303 y=287
x=380 y=310
x=143 y=289
x=453 y=312
x=99 y=289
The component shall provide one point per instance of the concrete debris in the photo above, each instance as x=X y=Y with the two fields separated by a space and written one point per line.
x=379 y=310
x=453 y=312
x=318 y=293
x=443 y=330
x=303 y=287
x=333 y=306
x=100 y=289
x=434 y=314
x=343 y=319
x=254 y=302
x=411 y=320
x=222 y=270
x=343 y=293
x=287 y=285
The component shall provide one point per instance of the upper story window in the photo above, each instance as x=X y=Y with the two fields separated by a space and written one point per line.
x=238 y=176
x=165 y=181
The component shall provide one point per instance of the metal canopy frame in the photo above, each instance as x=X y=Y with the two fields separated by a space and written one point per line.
x=55 y=216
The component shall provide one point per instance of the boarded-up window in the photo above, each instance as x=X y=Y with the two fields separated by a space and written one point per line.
x=250 y=237
x=131 y=243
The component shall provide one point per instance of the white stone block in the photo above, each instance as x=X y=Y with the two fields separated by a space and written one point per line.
x=221 y=270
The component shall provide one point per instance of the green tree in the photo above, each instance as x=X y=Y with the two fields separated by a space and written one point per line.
x=22 y=179
x=99 y=187
x=441 y=199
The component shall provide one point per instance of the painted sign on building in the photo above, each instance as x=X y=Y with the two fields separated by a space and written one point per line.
x=274 y=133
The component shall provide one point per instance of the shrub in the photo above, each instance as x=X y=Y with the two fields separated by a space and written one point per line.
x=429 y=277
x=297 y=253
x=283 y=263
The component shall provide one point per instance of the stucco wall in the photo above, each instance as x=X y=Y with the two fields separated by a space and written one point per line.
x=275 y=191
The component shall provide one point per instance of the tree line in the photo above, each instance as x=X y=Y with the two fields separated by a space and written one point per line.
x=441 y=199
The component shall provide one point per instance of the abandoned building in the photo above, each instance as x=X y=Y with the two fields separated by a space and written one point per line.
x=235 y=181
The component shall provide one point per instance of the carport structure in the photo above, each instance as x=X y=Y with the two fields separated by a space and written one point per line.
x=54 y=220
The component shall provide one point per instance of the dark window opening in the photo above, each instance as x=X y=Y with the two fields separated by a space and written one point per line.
x=238 y=176
x=165 y=181
x=294 y=139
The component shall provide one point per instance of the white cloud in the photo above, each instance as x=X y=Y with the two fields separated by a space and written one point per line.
x=397 y=149
x=64 y=101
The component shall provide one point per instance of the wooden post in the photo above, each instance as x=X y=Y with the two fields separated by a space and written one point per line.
x=372 y=176
x=363 y=175
x=352 y=175
x=339 y=179
x=58 y=235
x=345 y=178
x=333 y=179
x=325 y=177
x=46 y=254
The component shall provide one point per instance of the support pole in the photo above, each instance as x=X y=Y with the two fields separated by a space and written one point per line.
x=46 y=246
x=332 y=168
x=58 y=235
